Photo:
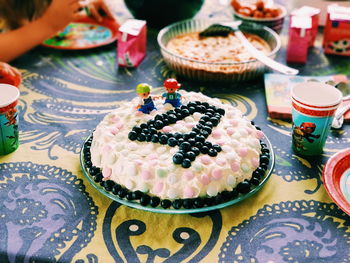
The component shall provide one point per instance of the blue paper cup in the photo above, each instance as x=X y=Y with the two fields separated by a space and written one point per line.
x=313 y=108
x=8 y=118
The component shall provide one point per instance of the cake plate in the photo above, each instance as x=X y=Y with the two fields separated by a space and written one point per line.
x=159 y=209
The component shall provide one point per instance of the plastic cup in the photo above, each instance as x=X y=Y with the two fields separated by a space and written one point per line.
x=313 y=108
x=8 y=118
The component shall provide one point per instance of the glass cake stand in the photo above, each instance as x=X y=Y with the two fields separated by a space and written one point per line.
x=171 y=210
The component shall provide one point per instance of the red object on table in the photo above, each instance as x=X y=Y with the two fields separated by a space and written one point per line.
x=7 y=78
x=314 y=13
x=300 y=35
x=332 y=172
x=337 y=31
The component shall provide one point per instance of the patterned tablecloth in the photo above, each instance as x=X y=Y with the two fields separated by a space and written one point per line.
x=49 y=212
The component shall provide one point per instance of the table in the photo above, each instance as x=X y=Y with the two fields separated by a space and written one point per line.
x=50 y=213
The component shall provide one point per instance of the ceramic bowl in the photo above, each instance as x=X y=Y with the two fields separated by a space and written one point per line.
x=275 y=23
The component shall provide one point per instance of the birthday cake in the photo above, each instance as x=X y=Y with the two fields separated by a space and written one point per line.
x=199 y=153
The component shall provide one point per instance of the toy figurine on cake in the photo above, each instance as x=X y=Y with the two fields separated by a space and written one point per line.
x=172 y=96
x=146 y=104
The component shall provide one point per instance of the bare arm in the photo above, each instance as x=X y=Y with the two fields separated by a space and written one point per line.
x=58 y=15
x=17 y=42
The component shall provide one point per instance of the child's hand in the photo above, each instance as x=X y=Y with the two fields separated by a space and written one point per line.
x=61 y=12
x=99 y=9
x=9 y=75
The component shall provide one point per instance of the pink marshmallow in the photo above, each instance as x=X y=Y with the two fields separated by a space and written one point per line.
x=230 y=131
x=235 y=166
x=220 y=142
x=242 y=152
x=190 y=125
x=205 y=159
x=188 y=174
x=216 y=174
x=114 y=130
x=107 y=148
x=259 y=134
x=145 y=174
x=138 y=162
x=158 y=187
x=152 y=156
x=249 y=130
x=205 y=179
x=167 y=129
x=188 y=192
x=255 y=162
x=115 y=119
x=221 y=161
x=106 y=172
x=153 y=162
x=120 y=125
x=234 y=122
x=216 y=134
x=181 y=122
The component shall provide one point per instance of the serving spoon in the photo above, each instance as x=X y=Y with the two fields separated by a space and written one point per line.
x=227 y=27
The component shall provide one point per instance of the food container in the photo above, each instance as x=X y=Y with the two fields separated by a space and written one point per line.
x=275 y=23
x=336 y=38
x=131 y=47
x=300 y=35
x=210 y=71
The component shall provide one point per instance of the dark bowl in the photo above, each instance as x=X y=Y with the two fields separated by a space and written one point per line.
x=159 y=13
x=275 y=23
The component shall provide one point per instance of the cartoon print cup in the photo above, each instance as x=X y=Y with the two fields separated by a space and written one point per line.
x=8 y=118
x=313 y=108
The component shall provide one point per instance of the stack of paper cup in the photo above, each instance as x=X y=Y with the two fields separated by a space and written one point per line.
x=8 y=118
x=313 y=108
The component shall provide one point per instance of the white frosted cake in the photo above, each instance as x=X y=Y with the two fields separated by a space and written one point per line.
x=200 y=151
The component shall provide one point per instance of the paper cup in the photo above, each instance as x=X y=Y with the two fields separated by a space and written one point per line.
x=313 y=108
x=8 y=118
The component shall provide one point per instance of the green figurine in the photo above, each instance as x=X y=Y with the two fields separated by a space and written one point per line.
x=146 y=104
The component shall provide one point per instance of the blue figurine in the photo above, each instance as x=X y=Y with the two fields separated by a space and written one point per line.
x=171 y=96
x=146 y=104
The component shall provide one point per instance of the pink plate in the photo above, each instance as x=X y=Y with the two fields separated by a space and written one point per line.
x=84 y=33
x=336 y=169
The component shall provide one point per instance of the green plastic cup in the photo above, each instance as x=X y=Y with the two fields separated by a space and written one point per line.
x=8 y=118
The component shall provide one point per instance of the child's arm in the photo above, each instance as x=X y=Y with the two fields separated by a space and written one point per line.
x=58 y=15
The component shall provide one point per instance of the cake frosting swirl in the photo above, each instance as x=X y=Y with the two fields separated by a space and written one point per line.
x=150 y=166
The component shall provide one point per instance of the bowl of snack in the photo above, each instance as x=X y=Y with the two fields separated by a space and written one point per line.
x=215 y=58
x=265 y=13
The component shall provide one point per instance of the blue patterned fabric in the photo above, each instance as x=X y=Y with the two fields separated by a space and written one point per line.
x=49 y=212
